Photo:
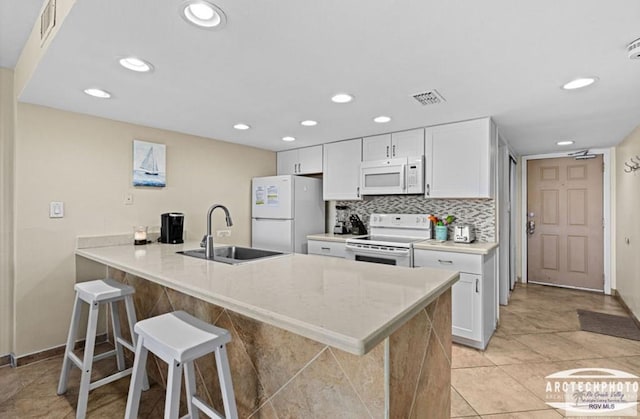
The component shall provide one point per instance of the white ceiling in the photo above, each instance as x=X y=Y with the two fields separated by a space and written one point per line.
x=16 y=21
x=278 y=62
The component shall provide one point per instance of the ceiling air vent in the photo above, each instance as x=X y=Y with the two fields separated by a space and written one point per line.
x=47 y=19
x=431 y=97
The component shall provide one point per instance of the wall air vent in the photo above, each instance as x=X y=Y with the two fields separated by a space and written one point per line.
x=47 y=20
x=431 y=97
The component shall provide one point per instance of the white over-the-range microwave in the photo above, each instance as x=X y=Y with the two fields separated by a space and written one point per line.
x=402 y=175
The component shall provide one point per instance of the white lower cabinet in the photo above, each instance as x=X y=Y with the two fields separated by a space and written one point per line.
x=474 y=306
x=326 y=248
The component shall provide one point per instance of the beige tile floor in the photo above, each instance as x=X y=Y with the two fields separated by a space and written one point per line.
x=538 y=335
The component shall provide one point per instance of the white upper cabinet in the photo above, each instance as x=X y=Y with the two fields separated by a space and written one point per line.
x=341 y=170
x=407 y=143
x=397 y=144
x=460 y=160
x=377 y=147
x=300 y=161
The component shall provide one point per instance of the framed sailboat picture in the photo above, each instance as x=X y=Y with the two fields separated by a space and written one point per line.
x=149 y=164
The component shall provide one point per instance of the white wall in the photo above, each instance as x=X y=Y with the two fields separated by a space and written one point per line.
x=7 y=115
x=627 y=198
x=86 y=162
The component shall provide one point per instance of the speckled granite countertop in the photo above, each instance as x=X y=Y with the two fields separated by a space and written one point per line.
x=330 y=237
x=349 y=305
x=476 y=248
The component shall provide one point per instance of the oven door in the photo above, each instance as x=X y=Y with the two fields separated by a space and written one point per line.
x=399 y=257
x=383 y=177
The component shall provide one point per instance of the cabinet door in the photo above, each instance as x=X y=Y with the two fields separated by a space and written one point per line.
x=341 y=170
x=287 y=162
x=377 y=147
x=310 y=160
x=459 y=160
x=466 y=312
x=407 y=143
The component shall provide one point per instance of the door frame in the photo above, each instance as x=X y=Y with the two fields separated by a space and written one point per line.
x=606 y=211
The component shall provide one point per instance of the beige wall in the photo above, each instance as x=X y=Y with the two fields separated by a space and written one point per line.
x=627 y=198
x=86 y=162
x=7 y=115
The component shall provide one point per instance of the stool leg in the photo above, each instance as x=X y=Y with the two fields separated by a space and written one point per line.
x=131 y=318
x=226 y=385
x=172 y=400
x=71 y=340
x=135 y=387
x=190 y=387
x=87 y=362
x=117 y=334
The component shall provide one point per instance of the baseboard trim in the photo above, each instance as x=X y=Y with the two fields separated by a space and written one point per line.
x=618 y=297
x=47 y=353
x=5 y=360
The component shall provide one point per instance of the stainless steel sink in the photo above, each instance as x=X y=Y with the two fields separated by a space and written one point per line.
x=232 y=255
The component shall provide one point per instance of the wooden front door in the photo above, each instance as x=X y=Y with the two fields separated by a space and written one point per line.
x=566 y=239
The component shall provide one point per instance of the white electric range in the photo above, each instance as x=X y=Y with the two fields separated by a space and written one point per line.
x=391 y=239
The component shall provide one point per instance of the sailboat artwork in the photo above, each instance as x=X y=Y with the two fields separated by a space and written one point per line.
x=149 y=163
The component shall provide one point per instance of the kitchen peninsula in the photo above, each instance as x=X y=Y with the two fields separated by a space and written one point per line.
x=311 y=336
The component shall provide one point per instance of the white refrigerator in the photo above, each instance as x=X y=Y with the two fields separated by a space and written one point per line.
x=285 y=209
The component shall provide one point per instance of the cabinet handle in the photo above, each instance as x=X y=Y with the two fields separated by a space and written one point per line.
x=394 y=150
x=428 y=190
x=328 y=249
x=358 y=191
x=448 y=262
x=477 y=280
x=387 y=151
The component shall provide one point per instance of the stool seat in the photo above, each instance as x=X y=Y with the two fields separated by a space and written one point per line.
x=96 y=293
x=179 y=339
x=180 y=336
x=102 y=290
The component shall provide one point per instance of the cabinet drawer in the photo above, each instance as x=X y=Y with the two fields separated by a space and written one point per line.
x=327 y=248
x=462 y=262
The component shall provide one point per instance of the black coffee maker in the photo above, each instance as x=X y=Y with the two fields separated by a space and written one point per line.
x=171 y=227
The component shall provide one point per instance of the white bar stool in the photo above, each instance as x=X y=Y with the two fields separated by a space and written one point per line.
x=179 y=339
x=94 y=293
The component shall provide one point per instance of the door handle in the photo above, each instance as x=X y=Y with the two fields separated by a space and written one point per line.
x=428 y=190
x=531 y=227
x=387 y=151
x=394 y=150
x=358 y=191
x=477 y=280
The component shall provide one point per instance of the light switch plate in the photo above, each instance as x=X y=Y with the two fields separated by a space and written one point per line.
x=56 y=209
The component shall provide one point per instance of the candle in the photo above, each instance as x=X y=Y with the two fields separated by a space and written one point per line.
x=140 y=235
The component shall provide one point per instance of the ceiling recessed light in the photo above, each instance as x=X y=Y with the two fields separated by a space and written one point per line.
x=203 y=14
x=342 y=98
x=566 y=142
x=136 y=64
x=381 y=119
x=288 y=139
x=241 y=127
x=99 y=93
x=309 y=123
x=579 y=83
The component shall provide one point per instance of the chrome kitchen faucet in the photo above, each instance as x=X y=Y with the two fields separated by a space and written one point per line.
x=208 y=239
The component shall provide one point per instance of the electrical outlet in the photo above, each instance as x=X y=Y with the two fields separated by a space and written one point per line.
x=128 y=199
x=223 y=233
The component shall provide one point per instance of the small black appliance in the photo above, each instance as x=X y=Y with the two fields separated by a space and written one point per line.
x=171 y=227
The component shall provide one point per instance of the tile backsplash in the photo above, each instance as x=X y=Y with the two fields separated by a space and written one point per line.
x=480 y=213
